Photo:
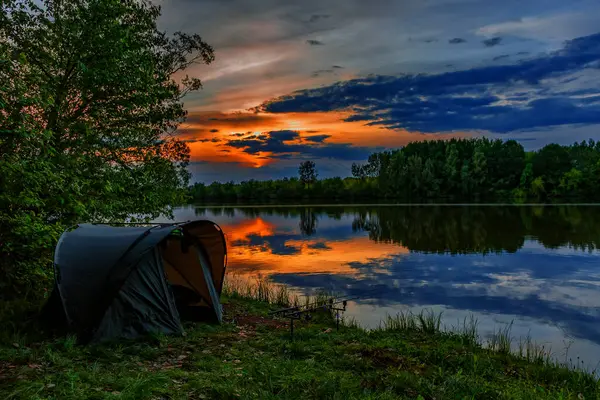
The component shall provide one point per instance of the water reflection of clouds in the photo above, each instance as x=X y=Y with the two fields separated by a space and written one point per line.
x=477 y=289
x=499 y=270
x=292 y=254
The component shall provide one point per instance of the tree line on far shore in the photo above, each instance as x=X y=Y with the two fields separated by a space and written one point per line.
x=443 y=170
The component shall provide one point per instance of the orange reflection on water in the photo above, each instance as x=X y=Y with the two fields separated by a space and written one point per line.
x=243 y=229
x=310 y=256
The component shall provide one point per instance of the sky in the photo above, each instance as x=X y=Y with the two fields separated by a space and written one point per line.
x=335 y=80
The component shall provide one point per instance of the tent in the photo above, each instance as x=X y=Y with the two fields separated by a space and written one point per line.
x=115 y=281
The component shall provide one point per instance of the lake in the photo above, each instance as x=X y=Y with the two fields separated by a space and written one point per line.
x=537 y=267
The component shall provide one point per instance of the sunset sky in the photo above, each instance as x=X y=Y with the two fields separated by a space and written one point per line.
x=334 y=80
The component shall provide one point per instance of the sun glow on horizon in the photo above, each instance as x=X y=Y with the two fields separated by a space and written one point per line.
x=210 y=133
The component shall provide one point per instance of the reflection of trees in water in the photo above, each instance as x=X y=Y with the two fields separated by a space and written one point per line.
x=453 y=229
x=307 y=216
x=217 y=211
x=441 y=229
x=308 y=221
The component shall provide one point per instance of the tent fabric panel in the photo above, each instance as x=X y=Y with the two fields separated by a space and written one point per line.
x=82 y=263
x=144 y=304
x=188 y=267
x=174 y=277
x=85 y=301
x=214 y=296
x=177 y=280
x=212 y=239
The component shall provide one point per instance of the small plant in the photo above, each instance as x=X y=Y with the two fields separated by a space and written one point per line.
x=403 y=321
x=429 y=322
x=475 y=360
x=468 y=330
x=501 y=340
x=533 y=352
x=426 y=321
x=261 y=289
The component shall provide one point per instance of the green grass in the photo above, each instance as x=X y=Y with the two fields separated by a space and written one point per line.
x=250 y=356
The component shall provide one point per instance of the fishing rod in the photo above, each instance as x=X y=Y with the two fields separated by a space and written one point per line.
x=319 y=303
x=326 y=305
x=295 y=313
x=316 y=304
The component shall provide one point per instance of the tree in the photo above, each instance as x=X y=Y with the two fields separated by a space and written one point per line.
x=571 y=182
x=466 y=179
x=374 y=164
x=88 y=114
x=308 y=172
x=527 y=176
x=538 y=188
x=451 y=166
x=551 y=163
x=479 y=173
x=359 y=171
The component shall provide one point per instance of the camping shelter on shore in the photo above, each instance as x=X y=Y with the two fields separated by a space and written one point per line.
x=114 y=281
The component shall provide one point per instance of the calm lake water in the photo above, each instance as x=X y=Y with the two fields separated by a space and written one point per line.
x=535 y=266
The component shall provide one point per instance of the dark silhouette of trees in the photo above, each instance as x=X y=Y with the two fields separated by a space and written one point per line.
x=308 y=221
x=308 y=173
x=453 y=170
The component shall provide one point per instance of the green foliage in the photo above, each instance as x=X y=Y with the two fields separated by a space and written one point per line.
x=88 y=110
x=251 y=357
x=461 y=170
x=551 y=163
x=308 y=172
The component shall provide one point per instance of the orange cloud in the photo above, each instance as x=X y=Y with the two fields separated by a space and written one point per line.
x=212 y=130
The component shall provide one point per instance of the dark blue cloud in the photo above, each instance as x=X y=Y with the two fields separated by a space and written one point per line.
x=214 y=140
x=501 y=57
x=316 y=138
x=492 y=42
x=284 y=135
x=471 y=99
x=360 y=117
x=318 y=17
x=456 y=40
x=273 y=142
x=319 y=246
x=277 y=244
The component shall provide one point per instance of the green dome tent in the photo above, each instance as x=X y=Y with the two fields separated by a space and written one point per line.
x=125 y=281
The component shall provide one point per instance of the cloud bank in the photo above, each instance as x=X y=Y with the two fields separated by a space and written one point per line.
x=558 y=88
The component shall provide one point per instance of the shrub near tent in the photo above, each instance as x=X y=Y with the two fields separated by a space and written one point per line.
x=126 y=281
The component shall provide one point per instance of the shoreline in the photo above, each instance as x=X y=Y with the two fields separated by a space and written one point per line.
x=251 y=356
x=263 y=205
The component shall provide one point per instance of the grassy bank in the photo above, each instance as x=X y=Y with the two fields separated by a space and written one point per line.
x=250 y=356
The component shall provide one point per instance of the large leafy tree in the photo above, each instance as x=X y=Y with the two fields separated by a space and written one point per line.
x=88 y=112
